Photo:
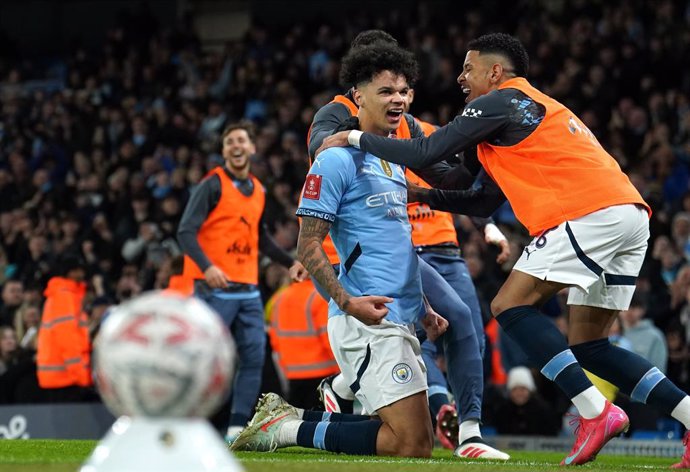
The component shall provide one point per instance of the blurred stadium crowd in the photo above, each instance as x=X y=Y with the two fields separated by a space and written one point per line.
x=100 y=147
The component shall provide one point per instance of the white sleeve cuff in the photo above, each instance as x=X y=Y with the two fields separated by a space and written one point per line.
x=354 y=137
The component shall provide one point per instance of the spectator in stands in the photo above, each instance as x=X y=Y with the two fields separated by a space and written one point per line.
x=680 y=231
x=524 y=412
x=12 y=293
x=36 y=265
x=18 y=382
x=8 y=347
x=129 y=284
x=646 y=339
x=678 y=356
x=26 y=324
x=143 y=247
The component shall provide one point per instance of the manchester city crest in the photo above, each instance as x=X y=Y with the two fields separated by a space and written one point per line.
x=402 y=373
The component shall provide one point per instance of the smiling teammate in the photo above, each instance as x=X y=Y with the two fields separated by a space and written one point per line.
x=221 y=233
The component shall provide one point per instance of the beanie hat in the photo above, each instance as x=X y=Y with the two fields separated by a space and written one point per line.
x=521 y=377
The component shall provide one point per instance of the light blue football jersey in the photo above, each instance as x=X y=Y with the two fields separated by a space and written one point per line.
x=365 y=198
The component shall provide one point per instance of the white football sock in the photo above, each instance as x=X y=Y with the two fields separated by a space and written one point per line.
x=469 y=429
x=590 y=403
x=682 y=412
x=287 y=434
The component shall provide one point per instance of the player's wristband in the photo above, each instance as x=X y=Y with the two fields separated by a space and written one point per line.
x=354 y=137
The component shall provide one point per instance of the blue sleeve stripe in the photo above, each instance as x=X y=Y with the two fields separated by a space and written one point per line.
x=646 y=384
x=320 y=435
x=557 y=363
x=326 y=417
x=330 y=217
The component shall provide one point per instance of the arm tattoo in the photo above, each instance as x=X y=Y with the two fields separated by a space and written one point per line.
x=310 y=253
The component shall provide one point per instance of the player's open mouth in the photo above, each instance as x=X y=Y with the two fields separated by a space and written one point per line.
x=394 y=115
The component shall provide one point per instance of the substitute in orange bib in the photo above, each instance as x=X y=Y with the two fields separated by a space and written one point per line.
x=221 y=233
x=63 y=355
x=299 y=338
x=590 y=228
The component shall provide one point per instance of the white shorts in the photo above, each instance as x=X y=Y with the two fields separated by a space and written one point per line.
x=599 y=255
x=382 y=363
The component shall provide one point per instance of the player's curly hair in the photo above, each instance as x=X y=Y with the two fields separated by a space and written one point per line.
x=507 y=46
x=362 y=63
x=372 y=36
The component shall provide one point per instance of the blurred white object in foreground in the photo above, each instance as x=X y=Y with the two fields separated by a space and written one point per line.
x=164 y=362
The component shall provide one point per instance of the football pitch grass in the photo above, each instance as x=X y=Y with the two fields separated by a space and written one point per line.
x=64 y=456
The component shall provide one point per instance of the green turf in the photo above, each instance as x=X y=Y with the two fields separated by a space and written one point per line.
x=64 y=456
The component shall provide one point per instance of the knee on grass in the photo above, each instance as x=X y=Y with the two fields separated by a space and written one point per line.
x=414 y=445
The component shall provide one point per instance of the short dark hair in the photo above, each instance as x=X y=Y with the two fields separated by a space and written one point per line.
x=368 y=37
x=246 y=125
x=362 y=63
x=70 y=261
x=507 y=46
